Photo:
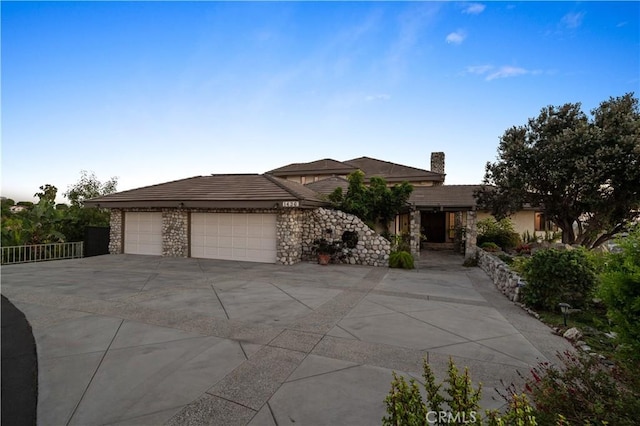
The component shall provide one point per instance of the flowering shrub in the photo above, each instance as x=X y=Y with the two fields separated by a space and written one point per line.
x=582 y=392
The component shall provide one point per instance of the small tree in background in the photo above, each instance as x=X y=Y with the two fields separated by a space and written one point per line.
x=78 y=217
x=374 y=204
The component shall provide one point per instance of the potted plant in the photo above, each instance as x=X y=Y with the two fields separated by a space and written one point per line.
x=324 y=249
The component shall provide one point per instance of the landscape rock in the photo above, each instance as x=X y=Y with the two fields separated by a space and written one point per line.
x=572 y=334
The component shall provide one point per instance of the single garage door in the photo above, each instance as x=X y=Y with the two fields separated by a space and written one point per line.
x=143 y=233
x=234 y=236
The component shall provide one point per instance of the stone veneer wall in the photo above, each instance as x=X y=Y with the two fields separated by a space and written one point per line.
x=296 y=230
x=115 y=233
x=372 y=249
x=471 y=235
x=507 y=281
x=414 y=232
x=289 y=230
x=175 y=232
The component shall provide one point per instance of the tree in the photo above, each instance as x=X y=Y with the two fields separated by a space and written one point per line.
x=582 y=172
x=78 y=217
x=48 y=194
x=375 y=204
x=89 y=187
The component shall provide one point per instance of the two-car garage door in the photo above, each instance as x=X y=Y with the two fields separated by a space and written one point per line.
x=229 y=236
x=234 y=236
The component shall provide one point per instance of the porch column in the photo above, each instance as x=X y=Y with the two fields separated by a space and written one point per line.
x=414 y=233
x=471 y=234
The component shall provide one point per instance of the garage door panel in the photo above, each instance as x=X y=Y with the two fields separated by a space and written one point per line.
x=143 y=233
x=238 y=236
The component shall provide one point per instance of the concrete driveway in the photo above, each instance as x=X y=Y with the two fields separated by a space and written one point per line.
x=135 y=340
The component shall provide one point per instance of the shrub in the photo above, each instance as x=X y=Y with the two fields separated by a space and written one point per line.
x=501 y=233
x=555 y=276
x=456 y=403
x=490 y=246
x=523 y=249
x=506 y=258
x=582 y=392
x=401 y=259
x=619 y=289
x=401 y=242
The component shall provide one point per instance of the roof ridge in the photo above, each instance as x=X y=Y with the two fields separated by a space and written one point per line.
x=391 y=163
x=291 y=191
x=150 y=186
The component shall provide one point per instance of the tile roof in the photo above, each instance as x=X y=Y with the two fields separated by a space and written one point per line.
x=225 y=190
x=326 y=186
x=392 y=171
x=444 y=196
x=325 y=166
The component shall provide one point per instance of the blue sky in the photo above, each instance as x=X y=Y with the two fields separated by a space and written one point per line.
x=157 y=91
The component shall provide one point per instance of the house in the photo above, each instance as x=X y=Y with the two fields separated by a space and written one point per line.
x=434 y=212
x=244 y=217
x=275 y=217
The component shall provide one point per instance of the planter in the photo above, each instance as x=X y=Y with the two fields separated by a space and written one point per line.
x=324 y=258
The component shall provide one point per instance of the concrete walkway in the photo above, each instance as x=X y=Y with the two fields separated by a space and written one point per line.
x=135 y=340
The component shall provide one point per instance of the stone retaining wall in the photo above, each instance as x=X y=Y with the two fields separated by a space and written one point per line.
x=507 y=281
x=372 y=249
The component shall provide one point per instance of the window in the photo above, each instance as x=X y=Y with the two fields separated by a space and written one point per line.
x=543 y=223
x=452 y=225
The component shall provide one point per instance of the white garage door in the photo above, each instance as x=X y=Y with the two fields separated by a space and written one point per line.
x=143 y=233
x=234 y=236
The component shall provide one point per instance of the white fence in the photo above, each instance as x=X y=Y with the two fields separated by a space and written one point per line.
x=41 y=252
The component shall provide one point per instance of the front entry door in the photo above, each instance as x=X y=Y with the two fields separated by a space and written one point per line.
x=434 y=226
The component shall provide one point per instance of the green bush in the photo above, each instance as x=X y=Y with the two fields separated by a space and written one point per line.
x=489 y=246
x=619 y=289
x=582 y=391
x=555 y=276
x=453 y=401
x=401 y=259
x=501 y=233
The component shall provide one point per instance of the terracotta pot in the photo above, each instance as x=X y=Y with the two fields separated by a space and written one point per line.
x=324 y=259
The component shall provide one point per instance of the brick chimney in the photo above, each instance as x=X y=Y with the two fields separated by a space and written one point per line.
x=437 y=162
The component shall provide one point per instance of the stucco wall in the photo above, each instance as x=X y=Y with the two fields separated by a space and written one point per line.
x=523 y=220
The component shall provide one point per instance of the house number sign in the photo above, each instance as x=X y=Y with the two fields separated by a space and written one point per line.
x=291 y=204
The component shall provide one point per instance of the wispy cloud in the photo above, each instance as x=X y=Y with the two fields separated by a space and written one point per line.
x=492 y=73
x=507 y=71
x=572 y=20
x=479 y=69
x=474 y=9
x=456 y=37
x=377 y=97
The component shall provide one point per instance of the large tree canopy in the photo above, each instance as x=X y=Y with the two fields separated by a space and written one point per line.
x=583 y=172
